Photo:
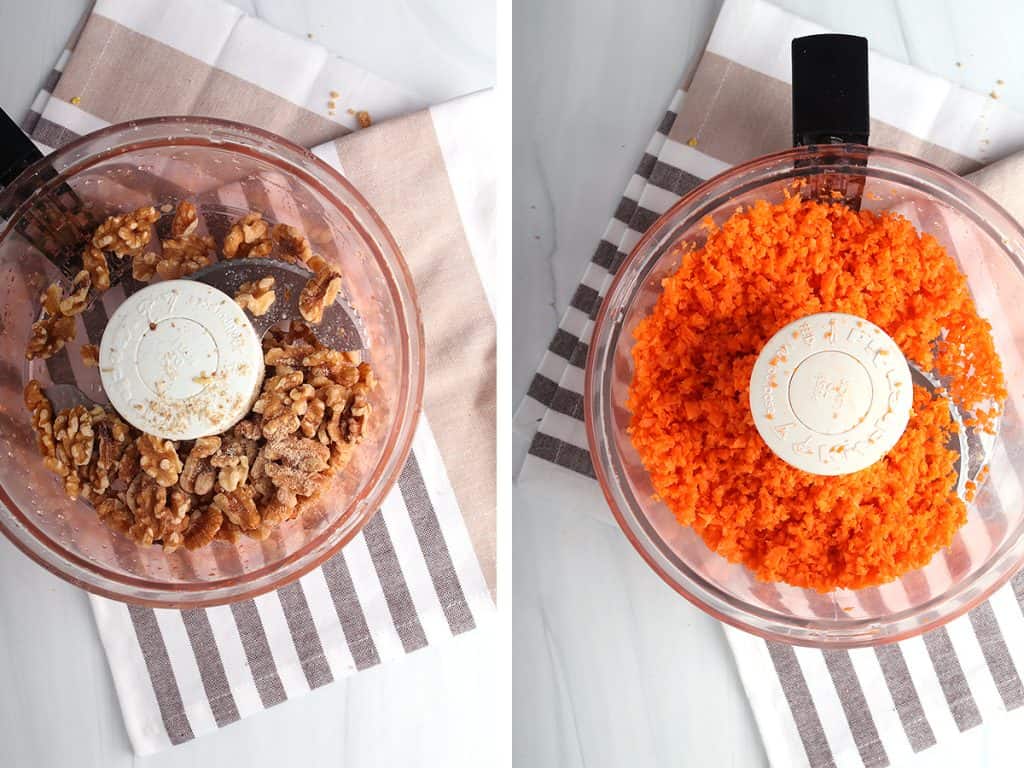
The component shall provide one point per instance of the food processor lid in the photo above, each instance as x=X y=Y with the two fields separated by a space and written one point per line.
x=831 y=393
x=180 y=360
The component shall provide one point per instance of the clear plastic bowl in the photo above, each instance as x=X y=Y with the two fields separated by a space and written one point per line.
x=987 y=243
x=227 y=169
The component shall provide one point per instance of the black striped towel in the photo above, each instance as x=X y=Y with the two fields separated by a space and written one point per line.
x=422 y=570
x=871 y=707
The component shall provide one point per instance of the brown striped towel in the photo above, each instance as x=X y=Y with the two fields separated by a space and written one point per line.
x=422 y=570
x=870 y=707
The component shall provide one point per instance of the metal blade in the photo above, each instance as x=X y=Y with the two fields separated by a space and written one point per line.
x=341 y=327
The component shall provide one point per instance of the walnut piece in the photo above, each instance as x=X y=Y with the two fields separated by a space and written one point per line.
x=74 y=302
x=319 y=292
x=184 y=255
x=51 y=299
x=185 y=220
x=94 y=261
x=126 y=235
x=238 y=507
x=73 y=430
x=292 y=244
x=159 y=515
x=90 y=355
x=248 y=237
x=203 y=527
x=144 y=266
x=115 y=514
x=298 y=453
x=197 y=475
x=256 y=297
x=234 y=470
x=49 y=336
x=159 y=459
x=364 y=119
x=128 y=466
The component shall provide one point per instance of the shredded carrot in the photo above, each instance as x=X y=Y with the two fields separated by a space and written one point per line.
x=693 y=355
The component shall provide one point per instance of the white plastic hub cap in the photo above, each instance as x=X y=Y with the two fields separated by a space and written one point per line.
x=180 y=360
x=831 y=393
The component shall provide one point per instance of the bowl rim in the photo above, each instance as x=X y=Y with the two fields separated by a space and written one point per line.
x=398 y=444
x=591 y=373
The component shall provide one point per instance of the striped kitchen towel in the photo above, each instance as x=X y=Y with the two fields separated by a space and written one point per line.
x=872 y=707
x=423 y=568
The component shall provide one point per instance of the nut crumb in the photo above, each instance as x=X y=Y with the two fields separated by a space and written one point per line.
x=364 y=119
x=692 y=141
x=90 y=355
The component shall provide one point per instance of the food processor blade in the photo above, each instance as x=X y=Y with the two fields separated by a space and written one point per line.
x=341 y=327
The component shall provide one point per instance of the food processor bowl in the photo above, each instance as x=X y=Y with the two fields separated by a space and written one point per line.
x=987 y=244
x=226 y=169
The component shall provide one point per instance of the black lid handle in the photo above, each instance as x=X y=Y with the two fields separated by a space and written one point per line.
x=17 y=152
x=830 y=90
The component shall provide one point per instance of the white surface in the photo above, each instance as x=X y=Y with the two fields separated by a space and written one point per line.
x=831 y=393
x=434 y=707
x=612 y=668
x=181 y=360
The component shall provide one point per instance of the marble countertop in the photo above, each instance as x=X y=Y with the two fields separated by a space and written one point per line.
x=612 y=668
x=435 y=707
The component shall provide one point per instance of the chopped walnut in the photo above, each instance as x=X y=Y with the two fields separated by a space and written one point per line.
x=74 y=302
x=234 y=470
x=284 y=424
x=313 y=417
x=300 y=398
x=292 y=244
x=274 y=399
x=228 y=532
x=316 y=263
x=159 y=459
x=298 y=453
x=238 y=507
x=184 y=255
x=295 y=480
x=49 y=336
x=291 y=355
x=95 y=263
x=90 y=355
x=112 y=440
x=197 y=475
x=73 y=431
x=51 y=299
x=126 y=235
x=128 y=466
x=319 y=293
x=115 y=514
x=257 y=297
x=185 y=220
x=364 y=119
x=248 y=237
x=270 y=467
x=203 y=527
x=144 y=266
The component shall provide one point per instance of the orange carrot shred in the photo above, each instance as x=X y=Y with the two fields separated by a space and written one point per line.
x=691 y=424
